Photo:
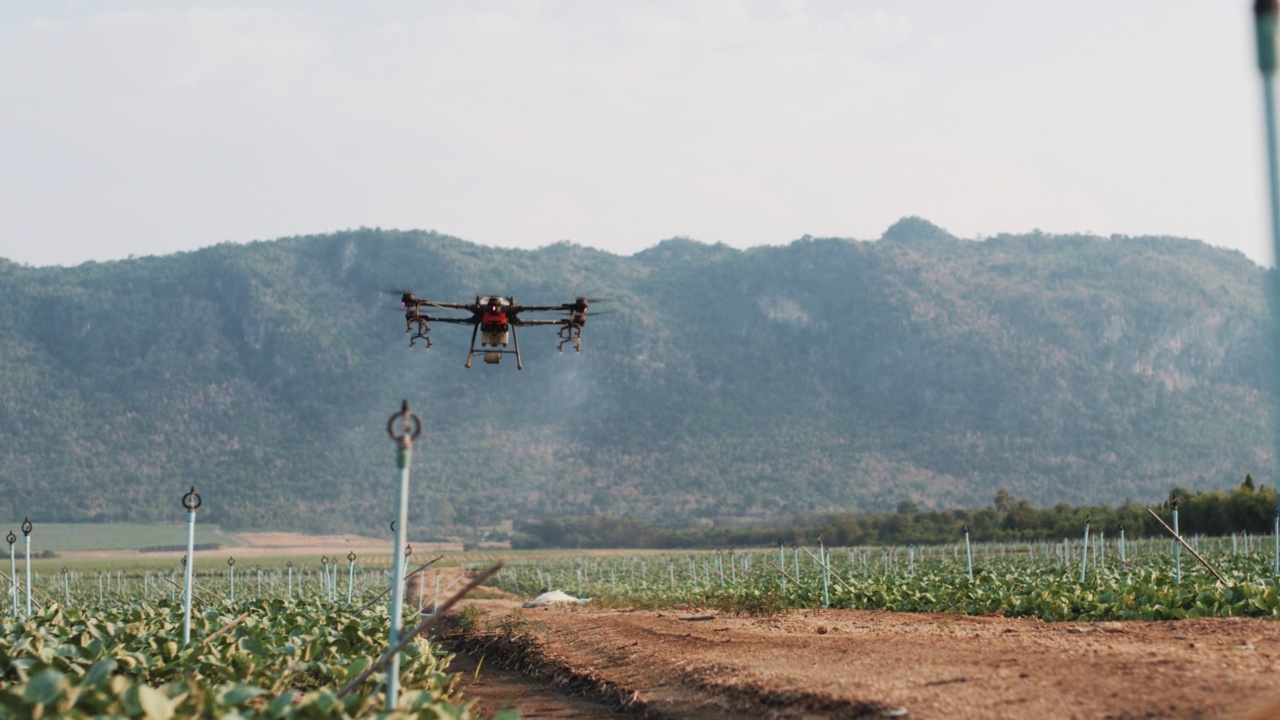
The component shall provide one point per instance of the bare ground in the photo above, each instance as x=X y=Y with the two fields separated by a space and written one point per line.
x=861 y=664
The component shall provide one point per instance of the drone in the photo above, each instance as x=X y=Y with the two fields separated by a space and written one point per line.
x=494 y=320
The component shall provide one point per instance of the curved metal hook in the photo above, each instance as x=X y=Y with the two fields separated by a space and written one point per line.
x=351 y=556
x=192 y=500
x=11 y=537
x=408 y=549
x=26 y=526
x=231 y=561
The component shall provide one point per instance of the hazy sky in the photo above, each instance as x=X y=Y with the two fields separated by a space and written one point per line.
x=144 y=128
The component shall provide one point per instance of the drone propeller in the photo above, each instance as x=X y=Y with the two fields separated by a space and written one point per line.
x=581 y=303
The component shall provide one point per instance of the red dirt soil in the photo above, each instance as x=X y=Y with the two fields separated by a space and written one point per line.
x=854 y=664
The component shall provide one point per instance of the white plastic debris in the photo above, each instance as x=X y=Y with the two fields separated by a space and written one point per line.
x=554 y=597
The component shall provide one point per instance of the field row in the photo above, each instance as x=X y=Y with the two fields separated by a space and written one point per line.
x=1146 y=579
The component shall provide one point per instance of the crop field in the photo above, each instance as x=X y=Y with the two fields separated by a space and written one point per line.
x=264 y=642
x=281 y=637
x=1149 y=579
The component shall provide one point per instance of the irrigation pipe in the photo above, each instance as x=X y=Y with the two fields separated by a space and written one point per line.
x=384 y=592
x=228 y=626
x=423 y=627
x=34 y=589
x=1190 y=549
x=829 y=570
x=784 y=572
x=194 y=594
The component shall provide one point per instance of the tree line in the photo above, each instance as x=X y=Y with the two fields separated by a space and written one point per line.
x=1244 y=509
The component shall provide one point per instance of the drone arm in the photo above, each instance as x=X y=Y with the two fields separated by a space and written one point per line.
x=446 y=306
x=522 y=321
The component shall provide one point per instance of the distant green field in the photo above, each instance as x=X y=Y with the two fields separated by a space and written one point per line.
x=67 y=537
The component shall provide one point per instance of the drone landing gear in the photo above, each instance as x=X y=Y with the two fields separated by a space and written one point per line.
x=421 y=332
x=494 y=356
x=570 y=334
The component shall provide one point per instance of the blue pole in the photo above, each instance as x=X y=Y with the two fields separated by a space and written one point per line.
x=826 y=574
x=231 y=569
x=404 y=572
x=351 y=574
x=13 y=572
x=1266 y=14
x=290 y=586
x=191 y=501
x=26 y=547
x=1084 y=552
x=968 y=551
x=1177 y=546
x=782 y=564
x=410 y=428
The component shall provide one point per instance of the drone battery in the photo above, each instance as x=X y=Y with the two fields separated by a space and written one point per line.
x=493 y=358
x=494 y=338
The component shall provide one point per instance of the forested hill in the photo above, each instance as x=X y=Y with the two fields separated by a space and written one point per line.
x=826 y=374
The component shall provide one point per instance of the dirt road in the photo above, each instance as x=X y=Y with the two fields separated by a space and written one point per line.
x=852 y=664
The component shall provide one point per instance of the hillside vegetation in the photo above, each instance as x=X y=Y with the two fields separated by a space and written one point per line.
x=824 y=375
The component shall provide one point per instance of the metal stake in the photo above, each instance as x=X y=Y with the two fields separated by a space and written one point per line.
x=26 y=546
x=1084 y=551
x=351 y=574
x=13 y=572
x=968 y=551
x=410 y=427
x=782 y=564
x=192 y=502
x=231 y=569
x=1177 y=547
x=1266 y=15
x=826 y=573
x=422 y=587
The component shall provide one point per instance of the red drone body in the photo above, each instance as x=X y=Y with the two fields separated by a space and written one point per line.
x=494 y=320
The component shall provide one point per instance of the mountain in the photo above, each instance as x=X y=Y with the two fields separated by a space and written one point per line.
x=827 y=374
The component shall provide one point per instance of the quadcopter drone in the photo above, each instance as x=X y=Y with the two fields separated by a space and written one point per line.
x=494 y=320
